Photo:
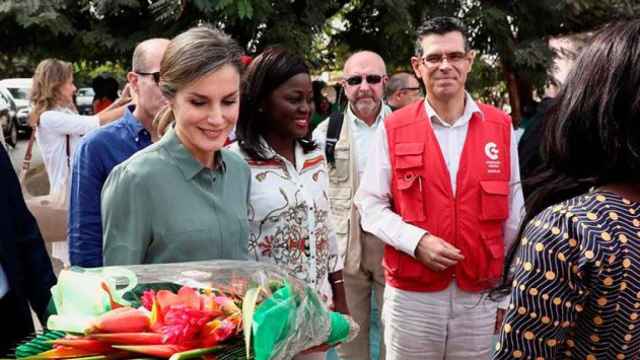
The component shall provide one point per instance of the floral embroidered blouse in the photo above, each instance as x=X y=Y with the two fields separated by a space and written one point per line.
x=289 y=217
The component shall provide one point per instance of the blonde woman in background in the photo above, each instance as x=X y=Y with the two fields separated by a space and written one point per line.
x=58 y=126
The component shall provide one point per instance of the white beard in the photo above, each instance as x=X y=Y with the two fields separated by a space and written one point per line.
x=366 y=107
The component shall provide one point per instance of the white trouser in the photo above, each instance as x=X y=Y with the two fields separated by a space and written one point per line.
x=450 y=324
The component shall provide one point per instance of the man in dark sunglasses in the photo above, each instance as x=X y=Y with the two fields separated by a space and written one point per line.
x=101 y=150
x=345 y=137
x=402 y=89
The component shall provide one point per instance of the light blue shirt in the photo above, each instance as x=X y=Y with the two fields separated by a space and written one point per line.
x=361 y=134
x=4 y=283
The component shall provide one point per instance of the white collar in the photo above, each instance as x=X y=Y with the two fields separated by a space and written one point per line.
x=298 y=151
x=384 y=111
x=470 y=107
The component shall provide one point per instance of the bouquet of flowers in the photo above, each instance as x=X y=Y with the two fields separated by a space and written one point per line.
x=214 y=309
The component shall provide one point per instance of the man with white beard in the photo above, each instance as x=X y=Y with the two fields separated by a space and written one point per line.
x=346 y=148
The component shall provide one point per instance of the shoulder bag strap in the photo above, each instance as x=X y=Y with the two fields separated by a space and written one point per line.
x=333 y=135
x=67 y=148
x=26 y=162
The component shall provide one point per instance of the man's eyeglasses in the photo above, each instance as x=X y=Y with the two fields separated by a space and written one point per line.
x=417 y=88
x=156 y=75
x=434 y=60
x=357 y=79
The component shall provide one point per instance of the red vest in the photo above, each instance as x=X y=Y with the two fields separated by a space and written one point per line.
x=472 y=220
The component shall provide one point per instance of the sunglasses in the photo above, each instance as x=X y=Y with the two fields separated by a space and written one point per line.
x=357 y=79
x=156 y=75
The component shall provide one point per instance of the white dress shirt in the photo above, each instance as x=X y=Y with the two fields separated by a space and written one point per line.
x=373 y=198
x=361 y=135
x=4 y=283
x=52 y=133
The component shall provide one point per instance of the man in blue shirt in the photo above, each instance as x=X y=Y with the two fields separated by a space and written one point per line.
x=103 y=149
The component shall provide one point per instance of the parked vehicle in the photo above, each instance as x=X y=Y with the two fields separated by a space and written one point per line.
x=19 y=89
x=84 y=100
x=8 y=121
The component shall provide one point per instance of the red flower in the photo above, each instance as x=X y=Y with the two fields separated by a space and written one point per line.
x=148 y=297
x=182 y=324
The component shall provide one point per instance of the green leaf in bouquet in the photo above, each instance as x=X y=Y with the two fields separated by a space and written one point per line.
x=38 y=344
x=232 y=350
x=196 y=353
x=272 y=321
x=248 y=308
x=275 y=285
x=339 y=328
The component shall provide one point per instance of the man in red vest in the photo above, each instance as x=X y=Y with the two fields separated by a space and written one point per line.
x=441 y=189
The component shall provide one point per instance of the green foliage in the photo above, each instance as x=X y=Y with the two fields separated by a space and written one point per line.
x=485 y=83
x=85 y=72
x=513 y=33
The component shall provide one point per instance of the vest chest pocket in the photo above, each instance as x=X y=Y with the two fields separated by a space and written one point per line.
x=494 y=200
x=339 y=199
x=340 y=171
x=408 y=171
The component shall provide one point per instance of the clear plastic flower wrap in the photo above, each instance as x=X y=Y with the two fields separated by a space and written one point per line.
x=285 y=317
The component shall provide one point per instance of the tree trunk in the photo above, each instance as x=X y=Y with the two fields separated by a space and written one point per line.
x=525 y=96
x=520 y=93
x=514 y=94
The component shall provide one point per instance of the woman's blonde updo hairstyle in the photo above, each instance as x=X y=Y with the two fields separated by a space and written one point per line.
x=50 y=75
x=190 y=56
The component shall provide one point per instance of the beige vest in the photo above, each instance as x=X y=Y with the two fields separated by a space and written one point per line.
x=343 y=183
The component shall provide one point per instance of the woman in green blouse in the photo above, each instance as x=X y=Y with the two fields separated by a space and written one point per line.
x=184 y=198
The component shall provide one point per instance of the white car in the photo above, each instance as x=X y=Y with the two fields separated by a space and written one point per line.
x=8 y=122
x=84 y=100
x=19 y=90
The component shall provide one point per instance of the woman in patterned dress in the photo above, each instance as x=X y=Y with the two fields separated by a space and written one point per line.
x=288 y=206
x=573 y=279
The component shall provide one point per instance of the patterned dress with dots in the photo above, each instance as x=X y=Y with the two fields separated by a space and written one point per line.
x=576 y=287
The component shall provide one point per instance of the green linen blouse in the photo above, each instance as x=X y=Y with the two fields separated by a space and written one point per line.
x=162 y=205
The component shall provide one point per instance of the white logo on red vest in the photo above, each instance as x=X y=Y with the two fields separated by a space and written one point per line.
x=492 y=153
x=491 y=150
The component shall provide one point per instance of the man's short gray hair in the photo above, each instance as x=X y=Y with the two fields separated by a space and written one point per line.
x=395 y=83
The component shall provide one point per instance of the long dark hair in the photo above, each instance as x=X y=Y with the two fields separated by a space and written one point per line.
x=266 y=73
x=592 y=135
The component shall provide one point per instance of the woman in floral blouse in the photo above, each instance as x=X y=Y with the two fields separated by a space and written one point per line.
x=289 y=208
